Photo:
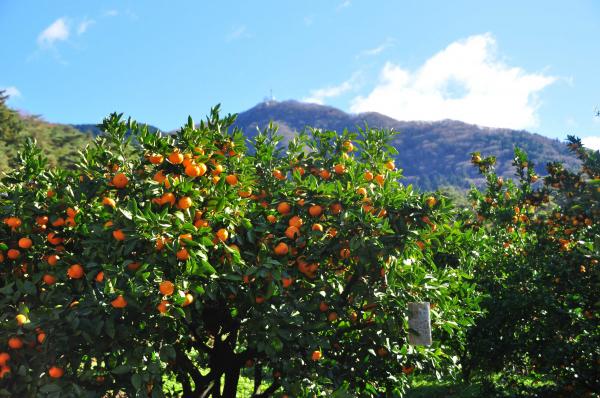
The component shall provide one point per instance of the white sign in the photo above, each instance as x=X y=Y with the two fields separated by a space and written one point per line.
x=419 y=324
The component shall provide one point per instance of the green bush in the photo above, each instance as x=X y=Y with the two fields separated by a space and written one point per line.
x=541 y=276
x=166 y=257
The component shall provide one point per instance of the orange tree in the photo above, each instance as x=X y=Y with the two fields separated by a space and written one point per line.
x=192 y=257
x=541 y=275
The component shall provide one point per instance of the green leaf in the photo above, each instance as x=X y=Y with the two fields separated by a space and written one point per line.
x=121 y=369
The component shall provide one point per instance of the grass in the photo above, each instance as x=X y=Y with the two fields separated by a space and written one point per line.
x=425 y=388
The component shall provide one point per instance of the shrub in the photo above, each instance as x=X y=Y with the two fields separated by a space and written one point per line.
x=542 y=277
x=192 y=256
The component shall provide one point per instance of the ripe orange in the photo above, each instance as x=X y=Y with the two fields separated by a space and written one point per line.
x=21 y=319
x=4 y=358
x=271 y=218
x=41 y=220
x=315 y=210
x=368 y=176
x=332 y=316
x=295 y=221
x=59 y=222
x=55 y=372
x=75 y=271
x=15 y=343
x=345 y=253
x=316 y=355
x=431 y=201
x=278 y=175
x=323 y=306
x=167 y=197
x=189 y=299
x=106 y=201
x=49 y=279
x=185 y=202
x=99 y=277
x=390 y=165
x=317 y=227
x=201 y=223
x=41 y=336
x=284 y=208
x=156 y=158
x=25 y=243
x=379 y=179
x=287 y=282
x=183 y=254
x=191 y=170
x=159 y=177
x=53 y=239
x=52 y=259
x=166 y=288
x=134 y=266
x=300 y=170
x=13 y=254
x=259 y=299
x=362 y=191
x=119 y=302
x=217 y=169
x=13 y=222
x=339 y=168
x=175 y=157
x=118 y=234
x=336 y=208
x=325 y=174
x=163 y=307
x=231 y=179
x=421 y=245
x=292 y=232
x=347 y=146
x=120 y=180
x=281 y=249
x=222 y=234
x=245 y=193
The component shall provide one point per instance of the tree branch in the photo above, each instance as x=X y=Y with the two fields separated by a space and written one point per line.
x=257 y=377
x=269 y=391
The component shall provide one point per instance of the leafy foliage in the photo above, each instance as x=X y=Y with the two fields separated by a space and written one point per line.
x=60 y=142
x=541 y=275
x=175 y=255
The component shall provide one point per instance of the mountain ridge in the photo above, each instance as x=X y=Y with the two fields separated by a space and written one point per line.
x=431 y=153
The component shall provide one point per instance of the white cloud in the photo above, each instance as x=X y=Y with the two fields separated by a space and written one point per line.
x=57 y=31
x=344 y=4
x=239 y=32
x=84 y=25
x=465 y=81
x=111 y=13
x=592 y=142
x=318 y=96
x=11 y=91
x=377 y=50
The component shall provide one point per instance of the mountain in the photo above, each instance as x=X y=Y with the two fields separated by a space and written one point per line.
x=59 y=141
x=94 y=130
x=432 y=154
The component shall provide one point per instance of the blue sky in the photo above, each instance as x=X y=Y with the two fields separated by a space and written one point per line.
x=532 y=65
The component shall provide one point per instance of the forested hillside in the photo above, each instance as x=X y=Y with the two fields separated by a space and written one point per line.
x=60 y=142
x=432 y=154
